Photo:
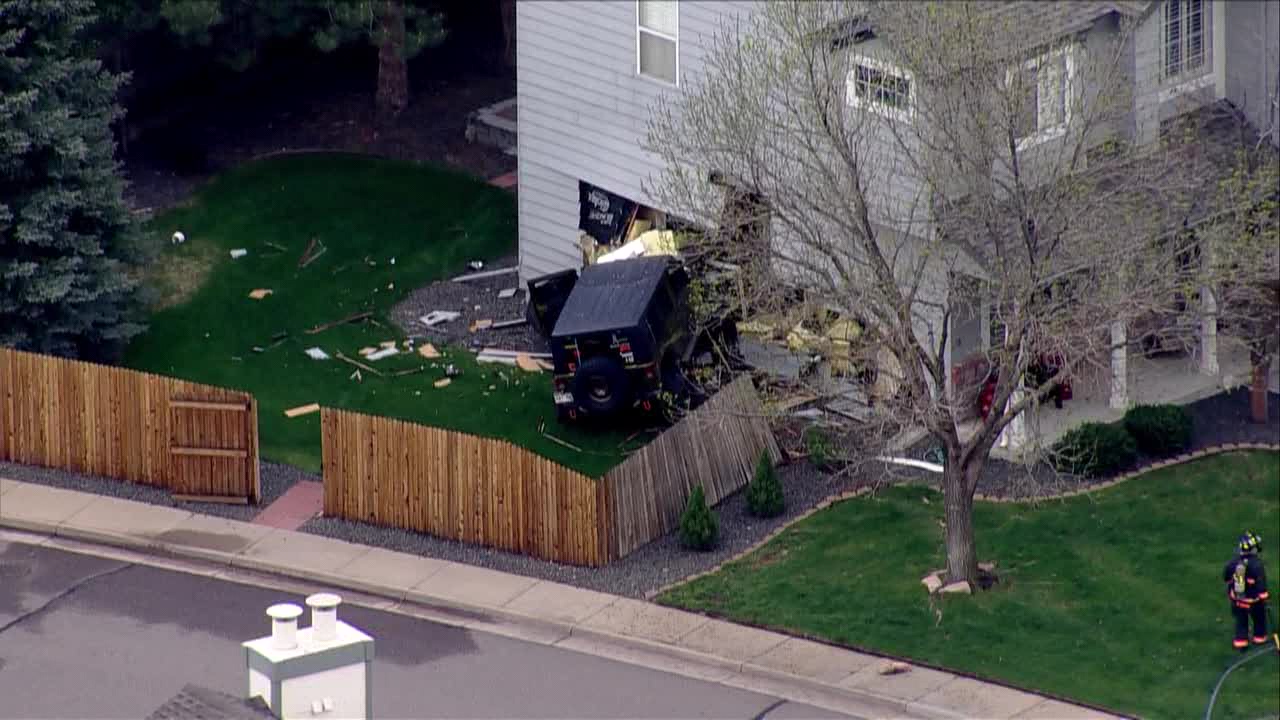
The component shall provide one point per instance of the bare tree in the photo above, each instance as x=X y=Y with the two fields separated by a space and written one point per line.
x=918 y=162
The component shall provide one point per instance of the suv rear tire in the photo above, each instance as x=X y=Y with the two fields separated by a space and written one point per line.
x=601 y=386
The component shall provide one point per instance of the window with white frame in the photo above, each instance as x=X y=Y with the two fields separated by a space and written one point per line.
x=1046 y=85
x=1183 y=36
x=880 y=87
x=658 y=39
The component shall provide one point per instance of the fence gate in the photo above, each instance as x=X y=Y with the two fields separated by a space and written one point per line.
x=213 y=448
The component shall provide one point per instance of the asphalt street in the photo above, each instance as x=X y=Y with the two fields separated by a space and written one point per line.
x=88 y=637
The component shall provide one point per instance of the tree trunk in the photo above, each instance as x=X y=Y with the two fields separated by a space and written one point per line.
x=1261 y=363
x=393 y=70
x=958 y=488
x=507 y=8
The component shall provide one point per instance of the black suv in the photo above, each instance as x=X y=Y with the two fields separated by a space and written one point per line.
x=619 y=333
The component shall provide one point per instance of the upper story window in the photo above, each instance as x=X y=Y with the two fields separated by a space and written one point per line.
x=1183 y=36
x=882 y=88
x=658 y=39
x=1046 y=84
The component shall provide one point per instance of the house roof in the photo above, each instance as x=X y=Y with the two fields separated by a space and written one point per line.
x=197 y=703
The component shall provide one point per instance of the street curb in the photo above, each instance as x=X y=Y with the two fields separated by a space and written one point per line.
x=727 y=672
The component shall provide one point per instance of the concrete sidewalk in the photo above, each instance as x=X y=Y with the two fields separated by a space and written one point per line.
x=606 y=625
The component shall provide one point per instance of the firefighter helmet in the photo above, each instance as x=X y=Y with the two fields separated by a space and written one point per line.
x=1250 y=543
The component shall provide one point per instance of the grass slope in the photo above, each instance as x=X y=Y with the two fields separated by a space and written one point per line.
x=366 y=212
x=1114 y=598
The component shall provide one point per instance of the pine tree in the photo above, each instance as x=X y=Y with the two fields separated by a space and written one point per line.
x=67 y=241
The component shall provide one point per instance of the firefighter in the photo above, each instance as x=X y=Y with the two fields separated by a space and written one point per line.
x=1246 y=581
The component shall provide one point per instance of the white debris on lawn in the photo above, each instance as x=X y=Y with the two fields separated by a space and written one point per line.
x=316 y=353
x=238 y=253
x=435 y=317
x=383 y=353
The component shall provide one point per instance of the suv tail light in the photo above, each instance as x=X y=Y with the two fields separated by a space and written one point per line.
x=624 y=348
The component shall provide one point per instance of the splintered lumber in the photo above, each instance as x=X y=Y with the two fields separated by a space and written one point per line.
x=302 y=410
x=387 y=344
x=410 y=371
x=504 y=359
x=259 y=293
x=383 y=353
x=367 y=351
x=442 y=382
x=307 y=252
x=485 y=274
x=358 y=364
x=481 y=325
x=429 y=351
x=224 y=499
x=544 y=364
x=526 y=363
x=497 y=352
x=313 y=257
x=501 y=324
x=348 y=319
x=560 y=442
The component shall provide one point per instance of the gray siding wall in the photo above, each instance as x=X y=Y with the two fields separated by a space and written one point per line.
x=1158 y=98
x=583 y=110
x=1253 y=61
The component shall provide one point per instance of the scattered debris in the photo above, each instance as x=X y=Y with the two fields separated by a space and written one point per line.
x=316 y=353
x=504 y=359
x=355 y=375
x=987 y=567
x=508 y=292
x=932 y=582
x=961 y=587
x=366 y=351
x=560 y=442
x=429 y=351
x=442 y=382
x=476 y=264
x=485 y=274
x=275 y=340
x=393 y=261
x=238 y=253
x=481 y=325
x=526 y=363
x=501 y=324
x=179 y=237
x=513 y=353
x=385 y=352
x=302 y=410
x=387 y=344
x=315 y=249
x=259 y=293
x=794 y=402
x=451 y=370
x=358 y=364
x=348 y=319
x=435 y=317
x=276 y=246
x=545 y=365
x=894 y=668
x=409 y=371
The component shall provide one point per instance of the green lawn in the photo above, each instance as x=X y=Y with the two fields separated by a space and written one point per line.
x=1113 y=598
x=366 y=212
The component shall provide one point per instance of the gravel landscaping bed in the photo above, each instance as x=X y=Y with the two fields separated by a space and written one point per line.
x=651 y=567
x=275 y=479
x=476 y=300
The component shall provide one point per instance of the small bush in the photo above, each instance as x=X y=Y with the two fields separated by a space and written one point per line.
x=819 y=447
x=764 y=494
x=1095 y=450
x=698 y=527
x=1159 y=430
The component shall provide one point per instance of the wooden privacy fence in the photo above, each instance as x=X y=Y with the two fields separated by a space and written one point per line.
x=490 y=492
x=716 y=446
x=191 y=439
x=458 y=486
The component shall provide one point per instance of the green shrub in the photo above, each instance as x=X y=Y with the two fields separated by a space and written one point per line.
x=698 y=527
x=1095 y=450
x=1159 y=430
x=764 y=494
x=819 y=447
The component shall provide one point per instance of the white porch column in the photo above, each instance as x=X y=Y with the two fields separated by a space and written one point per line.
x=1014 y=435
x=1208 y=332
x=1119 y=367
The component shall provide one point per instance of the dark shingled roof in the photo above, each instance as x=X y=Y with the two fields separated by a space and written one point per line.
x=198 y=703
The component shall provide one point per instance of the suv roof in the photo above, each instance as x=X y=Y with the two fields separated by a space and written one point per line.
x=611 y=296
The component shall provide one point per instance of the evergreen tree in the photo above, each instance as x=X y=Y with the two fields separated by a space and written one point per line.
x=66 y=237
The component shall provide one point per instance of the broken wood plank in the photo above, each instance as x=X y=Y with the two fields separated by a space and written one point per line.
x=429 y=351
x=383 y=353
x=348 y=319
x=259 y=293
x=410 y=371
x=209 y=452
x=208 y=405
x=302 y=410
x=560 y=442
x=442 y=382
x=526 y=363
x=481 y=325
x=485 y=274
x=313 y=258
x=224 y=499
x=508 y=323
x=504 y=359
x=358 y=364
x=545 y=364
x=513 y=353
x=367 y=351
x=277 y=246
x=387 y=344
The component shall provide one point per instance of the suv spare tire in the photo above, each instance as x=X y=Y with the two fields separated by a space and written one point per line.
x=601 y=386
